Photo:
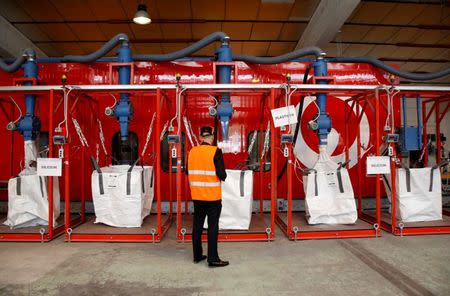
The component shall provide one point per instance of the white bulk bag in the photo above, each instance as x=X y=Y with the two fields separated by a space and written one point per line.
x=237 y=201
x=416 y=202
x=329 y=199
x=28 y=200
x=127 y=196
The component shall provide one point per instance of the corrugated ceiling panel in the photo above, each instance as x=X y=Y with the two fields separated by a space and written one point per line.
x=236 y=47
x=176 y=30
x=410 y=66
x=279 y=48
x=433 y=67
x=255 y=48
x=208 y=50
x=379 y=51
x=69 y=48
x=49 y=50
x=149 y=31
x=372 y=12
x=274 y=11
x=13 y=12
x=405 y=35
x=107 y=9
x=292 y=31
x=59 y=32
x=87 y=31
x=40 y=10
x=174 y=9
x=33 y=32
x=405 y=52
x=152 y=48
x=352 y=33
x=431 y=36
x=432 y=15
x=242 y=10
x=335 y=50
x=207 y=9
x=239 y=31
x=110 y=30
x=403 y=13
x=262 y=31
x=356 y=50
x=202 y=30
x=303 y=10
x=74 y=10
x=89 y=47
x=430 y=53
x=171 y=47
x=380 y=34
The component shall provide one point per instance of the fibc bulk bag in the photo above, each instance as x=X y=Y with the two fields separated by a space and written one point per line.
x=418 y=194
x=329 y=193
x=122 y=197
x=237 y=201
x=28 y=200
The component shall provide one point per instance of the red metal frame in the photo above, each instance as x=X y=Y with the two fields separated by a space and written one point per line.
x=161 y=226
x=267 y=234
x=394 y=226
x=44 y=234
x=232 y=64
x=112 y=65
x=294 y=232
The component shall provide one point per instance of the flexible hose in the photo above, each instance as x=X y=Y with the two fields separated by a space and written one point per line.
x=92 y=57
x=381 y=65
x=217 y=36
x=307 y=51
x=29 y=52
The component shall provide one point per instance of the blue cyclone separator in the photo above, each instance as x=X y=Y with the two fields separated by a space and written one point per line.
x=29 y=125
x=224 y=109
x=123 y=110
x=324 y=120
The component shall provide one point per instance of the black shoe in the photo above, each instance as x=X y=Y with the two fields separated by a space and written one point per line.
x=219 y=263
x=199 y=260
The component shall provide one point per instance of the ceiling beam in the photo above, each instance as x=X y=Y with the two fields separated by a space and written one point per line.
x=13 y=42
x=326 y=21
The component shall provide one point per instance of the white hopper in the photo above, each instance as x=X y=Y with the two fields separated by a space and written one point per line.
x=122 y=198
x=329 y=193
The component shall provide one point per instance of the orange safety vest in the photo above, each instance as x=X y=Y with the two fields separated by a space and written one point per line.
x=204 y=183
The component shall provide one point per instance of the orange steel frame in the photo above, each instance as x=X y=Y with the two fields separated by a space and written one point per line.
x=230 y=236
x=161 y=226
x=295 y=232
x=399 y=228
x=50 y=232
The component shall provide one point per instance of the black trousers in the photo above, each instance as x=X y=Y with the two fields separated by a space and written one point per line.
x=202 y=209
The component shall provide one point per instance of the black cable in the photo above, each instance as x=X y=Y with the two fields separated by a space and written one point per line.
x=302 y=52
x=379 y=64
x=182 y=53
x=299 y=119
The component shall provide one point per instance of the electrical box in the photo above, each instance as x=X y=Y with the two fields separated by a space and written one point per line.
x=392 y=138
x=287 y=138
x=59 y=140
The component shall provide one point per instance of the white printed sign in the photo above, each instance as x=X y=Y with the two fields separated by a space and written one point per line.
x=284 y=116
x=49 y=166
x=378 y=165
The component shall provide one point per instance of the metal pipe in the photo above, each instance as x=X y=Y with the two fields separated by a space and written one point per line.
x=273 y=157
x=50 y=154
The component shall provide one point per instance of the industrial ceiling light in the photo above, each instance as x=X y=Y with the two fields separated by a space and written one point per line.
x=141 y=17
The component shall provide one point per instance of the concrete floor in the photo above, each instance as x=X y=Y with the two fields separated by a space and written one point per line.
x=388 y=265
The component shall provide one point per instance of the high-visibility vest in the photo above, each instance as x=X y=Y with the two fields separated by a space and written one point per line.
x=204 y=183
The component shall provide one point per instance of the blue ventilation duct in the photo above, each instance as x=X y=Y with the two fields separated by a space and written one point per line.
x=324 y=120
x=224 y=109
x=29 y=125
x=123 y=110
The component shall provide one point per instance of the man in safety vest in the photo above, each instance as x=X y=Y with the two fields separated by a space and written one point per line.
x=205 y=171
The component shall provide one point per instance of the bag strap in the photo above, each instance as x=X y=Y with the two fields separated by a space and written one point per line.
x=441 y=164
x=41 y=186
x=129 y=177
x=100 y=175
x=339 y=175
x=18 y=186
x=408 y=179
x=241 y=183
